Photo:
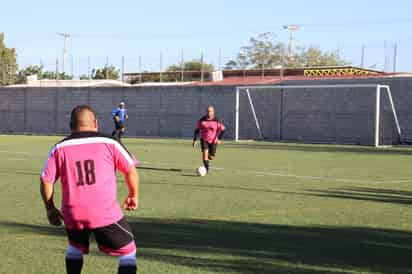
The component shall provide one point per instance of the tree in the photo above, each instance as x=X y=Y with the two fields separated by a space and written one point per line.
x=8 y=63
x=59 y=76
x=193 y=65
x=264 y=52
x=230 y=65
x=108 y=72
x=41 y=74
x=84 y=77
x=28 y=71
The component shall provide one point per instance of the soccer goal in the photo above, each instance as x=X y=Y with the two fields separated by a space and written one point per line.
x=361 y=114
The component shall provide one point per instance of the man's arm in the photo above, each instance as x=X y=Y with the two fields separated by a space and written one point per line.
x=221 y=132
x=53 y=214
x=220 y=135
x=195 y=134
x=117 y=118
x=132 y=180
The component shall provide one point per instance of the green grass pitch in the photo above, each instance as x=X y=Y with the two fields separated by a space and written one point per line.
x=265 y=208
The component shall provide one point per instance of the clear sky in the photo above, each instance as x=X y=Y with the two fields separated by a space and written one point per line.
x=145 y=28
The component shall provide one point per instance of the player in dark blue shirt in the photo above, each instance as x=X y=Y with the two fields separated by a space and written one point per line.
x=119 y=115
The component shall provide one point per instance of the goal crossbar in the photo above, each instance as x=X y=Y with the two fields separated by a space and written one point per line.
x=378 y=91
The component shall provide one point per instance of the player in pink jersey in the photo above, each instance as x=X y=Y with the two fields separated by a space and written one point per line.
x=211 y=131
x=86 y=164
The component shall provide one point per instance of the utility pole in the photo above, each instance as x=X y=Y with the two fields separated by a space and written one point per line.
x=66 y=37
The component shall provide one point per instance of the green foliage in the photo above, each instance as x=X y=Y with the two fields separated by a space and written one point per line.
x=8 y=63
x=60 y=76
x=108 y=72
x=264 y=52
x=41 y=74
x=84 y=77
x=193 y=65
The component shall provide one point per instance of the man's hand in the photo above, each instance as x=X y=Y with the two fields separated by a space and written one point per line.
x=132 y=180
x=218 y=142
x=194 y=144
x=117 y=118
x=54 y=216
x=131 y=203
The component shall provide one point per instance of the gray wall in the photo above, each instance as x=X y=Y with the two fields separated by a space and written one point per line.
x=153 y=111
x=302 y=115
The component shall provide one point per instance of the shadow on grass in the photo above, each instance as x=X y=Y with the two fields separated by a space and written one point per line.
x=322 y=148
x=262 y=248
x=160 y=169
x=366 y=194
x=223 y=187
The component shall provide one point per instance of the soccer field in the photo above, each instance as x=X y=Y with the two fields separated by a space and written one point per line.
x=265 y=208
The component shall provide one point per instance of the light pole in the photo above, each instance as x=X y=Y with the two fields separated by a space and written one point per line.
x=292 y=29
x=66 y=37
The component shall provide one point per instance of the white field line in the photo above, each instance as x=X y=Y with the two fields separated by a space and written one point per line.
x=17 y=159
x=19 y=153
x=254 y=172
x=277 y=174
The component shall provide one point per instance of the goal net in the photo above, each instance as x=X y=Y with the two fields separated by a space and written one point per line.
x=361 y=114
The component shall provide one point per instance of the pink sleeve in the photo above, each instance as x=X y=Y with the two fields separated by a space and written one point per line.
x=123 y=159
x=50 y=171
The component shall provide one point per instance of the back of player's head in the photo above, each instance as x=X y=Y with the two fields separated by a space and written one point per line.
x=82 y=116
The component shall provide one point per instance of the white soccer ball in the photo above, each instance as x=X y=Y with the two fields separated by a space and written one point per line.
x=201 y=171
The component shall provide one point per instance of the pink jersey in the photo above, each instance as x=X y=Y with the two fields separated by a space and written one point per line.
x=86 y=164
x=210 y=130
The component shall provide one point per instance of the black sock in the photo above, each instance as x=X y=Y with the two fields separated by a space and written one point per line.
x=74 y=266
x=206 y=163
x=127 y=269
x=114 y=133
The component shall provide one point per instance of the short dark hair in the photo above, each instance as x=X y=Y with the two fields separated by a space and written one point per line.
x=76 y=112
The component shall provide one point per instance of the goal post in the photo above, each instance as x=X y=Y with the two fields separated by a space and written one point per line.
x=382 y=107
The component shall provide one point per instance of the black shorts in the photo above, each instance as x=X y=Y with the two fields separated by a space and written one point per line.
x=212 y=148
x=116 y=239
x=118 y=125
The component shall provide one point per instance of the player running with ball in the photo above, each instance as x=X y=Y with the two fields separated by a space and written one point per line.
x=211 y=131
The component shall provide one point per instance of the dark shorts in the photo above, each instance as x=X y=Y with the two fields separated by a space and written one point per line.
x=116 y=239
x=118 y=125
x=212 y=148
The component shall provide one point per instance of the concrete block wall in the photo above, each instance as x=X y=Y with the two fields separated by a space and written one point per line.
x=153 y=111
x=301 y=115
